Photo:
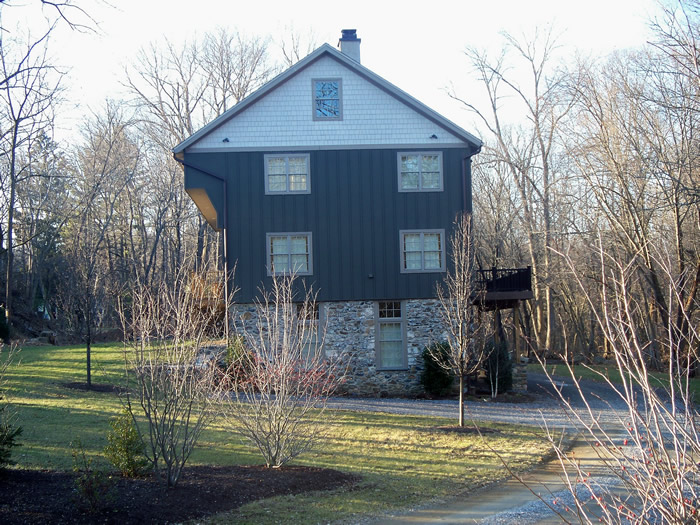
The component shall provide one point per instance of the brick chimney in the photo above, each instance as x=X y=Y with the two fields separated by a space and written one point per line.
x=349 y=44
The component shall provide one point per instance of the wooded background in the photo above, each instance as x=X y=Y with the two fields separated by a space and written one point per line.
x=583 y=159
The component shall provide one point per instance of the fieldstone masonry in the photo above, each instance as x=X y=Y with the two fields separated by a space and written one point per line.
x=351 y=333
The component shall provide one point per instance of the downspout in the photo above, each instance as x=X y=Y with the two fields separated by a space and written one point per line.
x=225 y=229
x=466 y=163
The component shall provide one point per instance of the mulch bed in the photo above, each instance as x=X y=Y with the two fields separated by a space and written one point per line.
x=467 y=430
x=95 y=387
x=30 y=496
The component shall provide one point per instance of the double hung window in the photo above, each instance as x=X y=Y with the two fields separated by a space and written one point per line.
x=287 y=174
x=422 y=250
x=309 y=315
x=391 y=344
x=289 y=252
x=420 y=171
x=328 y=99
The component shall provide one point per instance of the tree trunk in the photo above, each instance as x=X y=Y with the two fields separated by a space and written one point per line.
x=461 y=400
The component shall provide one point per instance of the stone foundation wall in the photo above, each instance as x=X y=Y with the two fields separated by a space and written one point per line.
x=350 y=335
x=519 y=378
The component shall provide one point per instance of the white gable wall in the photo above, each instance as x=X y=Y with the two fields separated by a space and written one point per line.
x=283 y=118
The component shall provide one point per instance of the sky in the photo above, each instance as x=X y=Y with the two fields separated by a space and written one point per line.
x=418 y=46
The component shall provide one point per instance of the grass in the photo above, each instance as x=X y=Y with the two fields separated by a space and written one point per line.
x=402 y=461
x=598 y=373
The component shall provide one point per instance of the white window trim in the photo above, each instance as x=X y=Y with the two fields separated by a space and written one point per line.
x=286 y=157
x=309 y=243
x=340 y=98
x=402 y=234
x=377 y=344
x=420 y=173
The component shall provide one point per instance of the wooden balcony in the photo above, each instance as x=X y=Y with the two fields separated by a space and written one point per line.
x=500 y=288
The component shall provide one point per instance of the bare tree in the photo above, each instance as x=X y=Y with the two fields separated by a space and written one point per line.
x=66 y=11
x=177 y=90
x=281 y=382
x=651 y=453
x=295 y=45
x=169 y=377
x=235 y=65
x=633 y=141
x=528 y=153
x=29 y=93
x=106 y=166
x=458 y=295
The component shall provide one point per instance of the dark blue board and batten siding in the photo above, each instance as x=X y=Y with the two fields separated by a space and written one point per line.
x=354 y=211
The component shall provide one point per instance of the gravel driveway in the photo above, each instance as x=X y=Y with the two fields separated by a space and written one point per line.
x=545 y=408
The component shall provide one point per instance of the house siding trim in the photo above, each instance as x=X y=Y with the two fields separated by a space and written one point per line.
x=331 y=147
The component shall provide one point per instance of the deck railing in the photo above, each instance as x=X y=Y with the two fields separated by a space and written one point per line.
x=504 y=279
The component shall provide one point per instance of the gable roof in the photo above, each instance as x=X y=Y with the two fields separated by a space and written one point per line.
x=327 y=50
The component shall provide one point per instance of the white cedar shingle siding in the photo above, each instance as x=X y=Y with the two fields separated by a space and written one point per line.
x=283 y=118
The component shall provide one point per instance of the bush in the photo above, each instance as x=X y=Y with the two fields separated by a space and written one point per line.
x=9 y=432
x=436 y=379
x=4 y=327
x=8 y=435
x=237 y=359
x=499 y=368
x=93 y=486
x=125 y=449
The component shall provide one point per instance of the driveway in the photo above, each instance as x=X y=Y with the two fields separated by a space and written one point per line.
x=510 y=502
x=547 y=406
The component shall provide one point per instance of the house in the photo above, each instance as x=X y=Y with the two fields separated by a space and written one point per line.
x=333 y=171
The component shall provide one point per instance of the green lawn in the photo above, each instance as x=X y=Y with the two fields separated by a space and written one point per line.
x=610 y=371
x=401 y=460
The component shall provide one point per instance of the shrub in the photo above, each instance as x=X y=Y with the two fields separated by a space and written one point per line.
x=4 y=327
x=125 y=449
x=237 y=359
x=436 y=379
x=499 y=368
x=167 y=382
x=8 y=435
x=279 y=405
x=93 y=486
x=9 y=432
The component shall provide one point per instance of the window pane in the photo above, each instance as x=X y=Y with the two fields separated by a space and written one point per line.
x=310 y=347
x=299 y=244
x=431 y=241
x=389 y=309
x=409 y=181
x=432 y=260
x=409 y=163
x=276 y=165
x=327 y=108
x=297 y=182
x=412 y=261
x=431 y=180
x=280 y=263
x=326 y=89
x=391 y=355
x=297 y=165
x=411 y=242
x=278 y=245
x=430 y=163
x=300 y=263
x=390 y=332
x=277 y=183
